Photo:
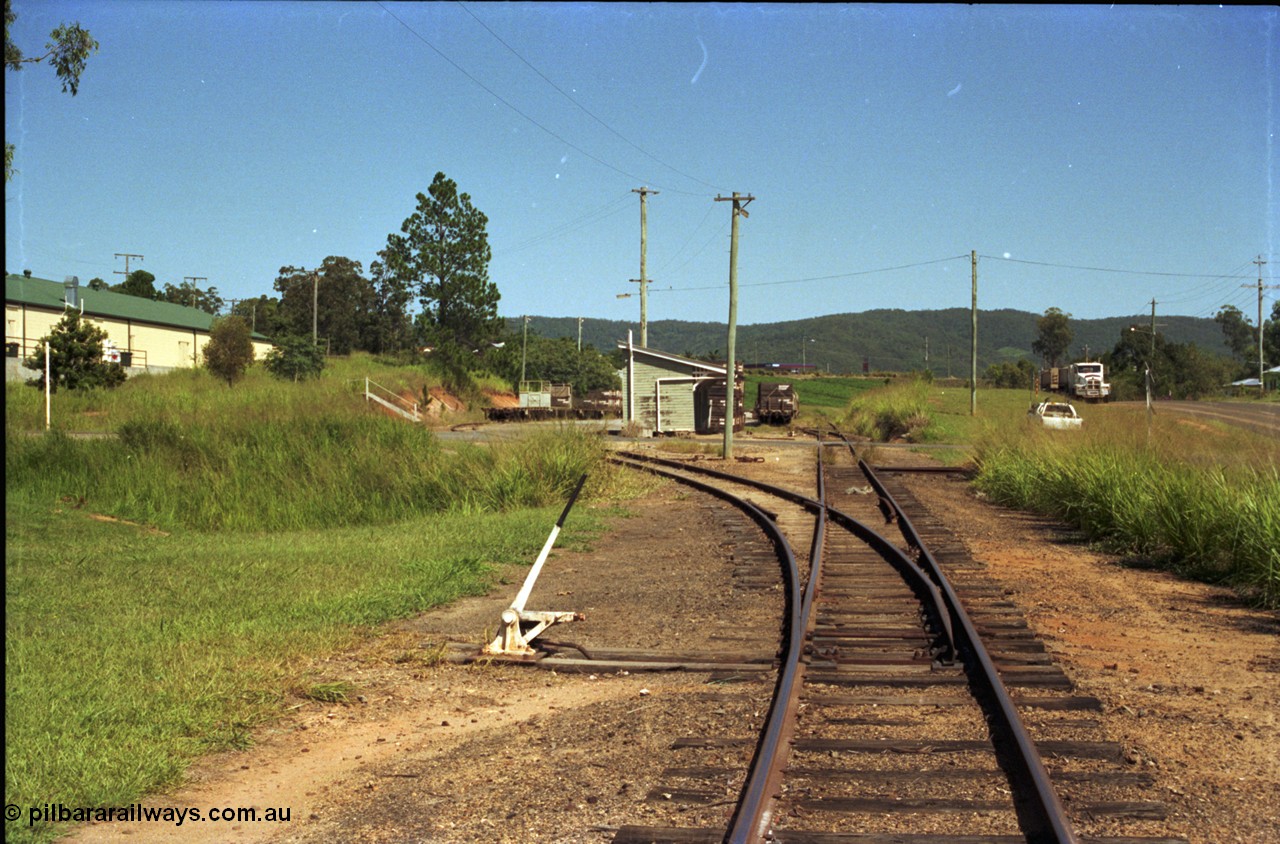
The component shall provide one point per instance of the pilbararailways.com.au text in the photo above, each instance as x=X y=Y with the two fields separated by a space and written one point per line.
x=61 y=813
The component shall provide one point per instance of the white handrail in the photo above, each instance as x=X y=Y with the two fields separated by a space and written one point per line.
x=410 y=407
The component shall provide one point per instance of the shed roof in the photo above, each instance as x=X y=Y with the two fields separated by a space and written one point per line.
x=667 y=356
x=43 y=293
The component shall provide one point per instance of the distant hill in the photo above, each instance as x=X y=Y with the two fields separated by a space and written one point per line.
x=891 y=340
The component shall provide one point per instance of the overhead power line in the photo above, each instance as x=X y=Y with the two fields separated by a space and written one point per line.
x=633 y=177
x=823 y=277
x=1105 y=269
x=583 y=108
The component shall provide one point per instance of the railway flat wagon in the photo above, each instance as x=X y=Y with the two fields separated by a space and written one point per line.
x=541 y=400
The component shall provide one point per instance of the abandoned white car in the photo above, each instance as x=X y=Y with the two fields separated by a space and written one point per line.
x=1056 y=414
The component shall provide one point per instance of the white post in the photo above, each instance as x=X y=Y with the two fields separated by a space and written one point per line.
x=47 y=382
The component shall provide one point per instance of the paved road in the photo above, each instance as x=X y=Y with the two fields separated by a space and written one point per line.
x=1256 y=416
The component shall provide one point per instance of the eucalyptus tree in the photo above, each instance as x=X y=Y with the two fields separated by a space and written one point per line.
x=1053 y=336
x=68 y=50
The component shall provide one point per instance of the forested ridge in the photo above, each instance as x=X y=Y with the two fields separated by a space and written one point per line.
x=889 y=340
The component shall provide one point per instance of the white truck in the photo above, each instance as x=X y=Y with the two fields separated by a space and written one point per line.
x=1086 y=381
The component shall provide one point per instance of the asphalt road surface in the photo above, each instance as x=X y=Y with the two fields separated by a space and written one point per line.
x=1263 y=418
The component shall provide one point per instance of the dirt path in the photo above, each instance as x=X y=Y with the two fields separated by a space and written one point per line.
x=1189 y=678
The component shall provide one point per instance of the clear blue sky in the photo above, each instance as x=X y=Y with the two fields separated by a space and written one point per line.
x=225 y=140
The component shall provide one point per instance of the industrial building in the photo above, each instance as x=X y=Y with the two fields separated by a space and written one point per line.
x=142 y=335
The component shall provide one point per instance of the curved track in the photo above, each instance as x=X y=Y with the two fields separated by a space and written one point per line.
x=891 y=718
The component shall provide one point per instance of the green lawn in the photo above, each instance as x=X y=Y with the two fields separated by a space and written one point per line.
x=128 y=652
x=166 y=586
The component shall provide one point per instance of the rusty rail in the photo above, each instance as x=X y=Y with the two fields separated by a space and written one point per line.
x=1041 y=815
x=1044 y=818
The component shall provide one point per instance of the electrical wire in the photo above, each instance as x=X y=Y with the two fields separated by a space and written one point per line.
x=820 y=277
x=614 y=206
x=511 y=106
x=583 y=108
x=1101 y=269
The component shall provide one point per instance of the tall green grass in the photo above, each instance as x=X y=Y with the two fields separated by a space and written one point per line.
x=166 y=584
x=1203 y=503
x=898 y=411
x=273 y=456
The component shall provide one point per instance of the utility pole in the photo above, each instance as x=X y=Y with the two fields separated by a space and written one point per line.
x=579 y=334
x=253 y=311
x=644 y=280
x=315 y=305
x=973 y=352
x=1153 y=329
x=126 y=256
x=730 y=373
x=1262 y=378
x=524 y=348
x=193 y=279
x=644 y=308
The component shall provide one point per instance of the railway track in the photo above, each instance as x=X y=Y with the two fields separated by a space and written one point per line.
x=911 y=703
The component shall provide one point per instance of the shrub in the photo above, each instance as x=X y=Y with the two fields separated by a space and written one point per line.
x=75 y=357
x=230 y=349
x=295 y=358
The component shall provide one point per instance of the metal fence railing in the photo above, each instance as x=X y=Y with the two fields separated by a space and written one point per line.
x=392 y=401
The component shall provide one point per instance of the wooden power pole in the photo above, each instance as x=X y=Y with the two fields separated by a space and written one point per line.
x=644 y=279
x=193 y=279
x=1262 y=373
x=973 y=350
x=126 y=256
x=730 y=371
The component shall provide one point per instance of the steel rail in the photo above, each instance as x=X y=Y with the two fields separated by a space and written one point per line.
x=920 y=580
x=1042 y=816
x=1047 y=820
x=754 y=812
x=780 y=723
x=752 y=816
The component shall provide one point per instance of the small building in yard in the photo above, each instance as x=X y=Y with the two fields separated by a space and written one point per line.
x=667 y=394
x=146 y=336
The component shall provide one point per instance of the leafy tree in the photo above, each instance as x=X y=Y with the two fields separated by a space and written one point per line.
x=68 y=51
x=1271 y=336
x=1179 y=370
x=343 y=302
x=1011 y=374
x=75 y=357
x=1240 y=336
x=98 y=284
x=295 y=357
x=557 y=361
x=262 y=314
x=229 y=350
x=138 y=283
x=1053 y=336
x=192 y=296
x=443 y=252
x=389 y=329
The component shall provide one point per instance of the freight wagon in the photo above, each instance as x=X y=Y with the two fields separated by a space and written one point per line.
x=776 y=404
x=540 y=400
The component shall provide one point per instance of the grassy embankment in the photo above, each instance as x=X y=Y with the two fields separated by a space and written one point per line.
x=165 y=588
x=1201 y=500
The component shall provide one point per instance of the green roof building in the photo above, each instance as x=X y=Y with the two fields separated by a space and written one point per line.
x=143 y=335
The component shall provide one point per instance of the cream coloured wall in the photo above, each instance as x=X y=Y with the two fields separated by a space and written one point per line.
x=154 y=347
